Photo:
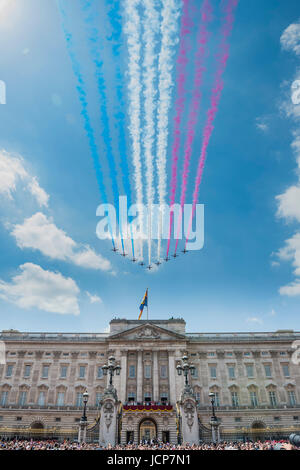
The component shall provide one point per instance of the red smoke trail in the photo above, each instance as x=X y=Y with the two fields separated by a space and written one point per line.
x=179 y=104
x=215 y=99
x=206 y=16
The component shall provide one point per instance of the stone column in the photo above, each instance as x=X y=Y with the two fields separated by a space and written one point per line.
x=123 y=376
x=189 y=419
x=139 y=377
x=108 y=427
x=172 y=378
x=155 y=377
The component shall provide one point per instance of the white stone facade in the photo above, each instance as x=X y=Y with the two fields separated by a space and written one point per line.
x=256 y=383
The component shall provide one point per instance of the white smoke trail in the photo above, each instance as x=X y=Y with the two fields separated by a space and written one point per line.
x=169 y=37
x=133 y=32
x=151 y=29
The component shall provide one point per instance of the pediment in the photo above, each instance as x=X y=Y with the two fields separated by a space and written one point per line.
x=145 y=332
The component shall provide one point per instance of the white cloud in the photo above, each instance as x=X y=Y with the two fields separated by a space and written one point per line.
x=45 y=290
x=262 y=124
x=93 y=298
x=254 y=320
x=40 y=233
x=39 y=193
x=291 y=289
x=12 y=171
x=291 y=252
x=289 y=203
x=290 y=38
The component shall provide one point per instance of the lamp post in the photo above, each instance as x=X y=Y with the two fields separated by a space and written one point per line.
x=111 y=368
x=214 y=420
x=184 y=368
x=83 y=420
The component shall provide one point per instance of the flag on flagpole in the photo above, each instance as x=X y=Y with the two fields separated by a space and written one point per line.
x=143 y=304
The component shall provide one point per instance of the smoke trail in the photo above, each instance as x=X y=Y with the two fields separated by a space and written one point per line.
x=94 y=48
x=133 y=30
x=151 y=28
x=206 y=16
x=169 y=31
x=114 y=15
x=179 y=104
x=215 y=99
x=84 y=106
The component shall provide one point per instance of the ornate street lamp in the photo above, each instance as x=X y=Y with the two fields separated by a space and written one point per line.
x=83 y=420
x=111 y=368
x=214 y=422
x=184 y=368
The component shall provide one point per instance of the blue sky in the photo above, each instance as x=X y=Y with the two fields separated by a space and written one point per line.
x=245 y=278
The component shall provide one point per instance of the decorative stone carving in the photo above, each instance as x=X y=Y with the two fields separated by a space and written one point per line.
x=108 y=418
x=56 y=354
x=238 y=354
x=92 y=354
x=21 y=353
x=39 y=354
x=256 y=354
x=274 y=353
x=148 y=333
x=74 y=354
x=220 y=353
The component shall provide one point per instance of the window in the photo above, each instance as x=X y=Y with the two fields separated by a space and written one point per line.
x=253 y=398
x=292 y=397
x=9 y=370
x=132 y=372
x=42 y=399
x=211 y=354
x=147 y=372
x=249 y=370
x=147 y=396
x=282 y=353
x=45 y=372
x=27 y=371
x=198 y=396
x=99 y=372
x=98 y=398
x=246 y=354
x=22 y=398
x=276 y=418
x=81 y=372
x=195 y=373
x=296 y=418
x=58 y=420
x=234 y=399
x=164 y=396
x=231 y=372
x=79 y=399
x=229 y=354
x=4 y=397
x=18 y=418
x=264 y=353
x=163 y=371
x=213 y=372
x=268 y=371
x=217 y=399
x=60 y=398
x=273 y=398
x=286 y=370
x=131 y=396
x=237 y=420
x=63 y=372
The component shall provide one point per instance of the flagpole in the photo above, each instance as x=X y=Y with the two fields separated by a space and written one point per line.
x=147 y=304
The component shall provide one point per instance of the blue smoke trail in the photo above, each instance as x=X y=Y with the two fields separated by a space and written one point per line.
x=115 y=17
x=94 y=47
x=84 y=108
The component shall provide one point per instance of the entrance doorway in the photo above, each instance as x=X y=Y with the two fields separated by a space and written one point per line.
x=166 y=436
x=147 y=430
x=129 y=437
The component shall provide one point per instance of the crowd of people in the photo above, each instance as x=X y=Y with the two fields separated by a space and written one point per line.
x=158 y=446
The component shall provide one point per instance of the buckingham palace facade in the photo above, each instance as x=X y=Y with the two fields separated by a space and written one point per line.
x=254 y=377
